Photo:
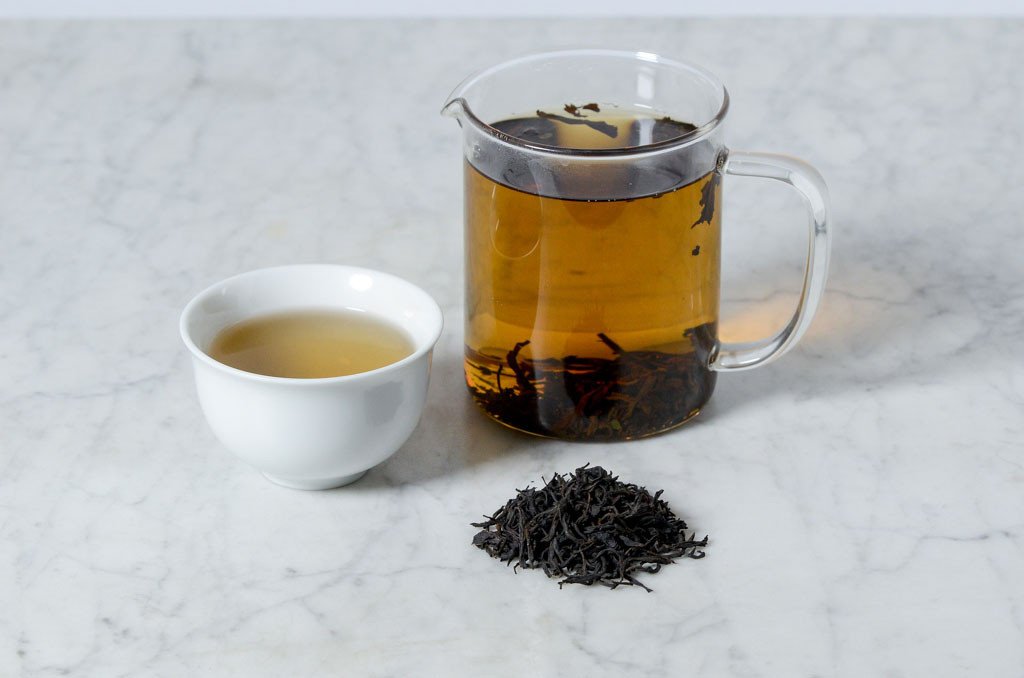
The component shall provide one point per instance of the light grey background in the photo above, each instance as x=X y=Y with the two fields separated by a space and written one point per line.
x=343 y=8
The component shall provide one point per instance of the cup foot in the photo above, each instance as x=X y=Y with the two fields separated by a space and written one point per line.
x=314 y=483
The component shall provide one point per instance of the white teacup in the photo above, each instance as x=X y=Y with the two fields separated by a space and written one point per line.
x=312 y=434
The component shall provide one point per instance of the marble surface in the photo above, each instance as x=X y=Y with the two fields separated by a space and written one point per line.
x=864 y=495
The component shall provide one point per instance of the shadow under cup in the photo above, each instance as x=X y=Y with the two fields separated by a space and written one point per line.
x=312 y=433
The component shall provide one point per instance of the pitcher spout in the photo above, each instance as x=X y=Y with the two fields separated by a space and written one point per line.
x=454 y=108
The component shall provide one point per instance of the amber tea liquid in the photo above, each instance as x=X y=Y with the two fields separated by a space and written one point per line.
x=311 y=344
x=589 y=317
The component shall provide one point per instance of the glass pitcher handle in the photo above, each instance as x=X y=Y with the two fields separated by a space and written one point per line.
x=810 y=184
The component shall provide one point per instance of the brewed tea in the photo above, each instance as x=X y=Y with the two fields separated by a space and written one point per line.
x=592 y=296
x=310 y=344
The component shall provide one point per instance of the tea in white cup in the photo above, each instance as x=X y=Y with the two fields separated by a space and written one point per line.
x=312 y=432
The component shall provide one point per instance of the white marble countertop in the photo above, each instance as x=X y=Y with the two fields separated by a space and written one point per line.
x=864 y=495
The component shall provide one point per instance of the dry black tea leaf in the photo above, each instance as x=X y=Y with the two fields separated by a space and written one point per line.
x=588 y=528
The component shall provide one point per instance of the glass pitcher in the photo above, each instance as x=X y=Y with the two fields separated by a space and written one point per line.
x=593 y=192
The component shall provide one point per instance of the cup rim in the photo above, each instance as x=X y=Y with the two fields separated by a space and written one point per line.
x=457 y=97
x=198 y=353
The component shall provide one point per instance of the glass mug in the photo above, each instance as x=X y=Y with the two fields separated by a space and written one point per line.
x=593 y=193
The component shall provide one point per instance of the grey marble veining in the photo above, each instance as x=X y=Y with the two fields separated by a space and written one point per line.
x=864 y=495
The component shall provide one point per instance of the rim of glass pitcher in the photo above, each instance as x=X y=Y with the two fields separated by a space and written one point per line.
x=681 y=140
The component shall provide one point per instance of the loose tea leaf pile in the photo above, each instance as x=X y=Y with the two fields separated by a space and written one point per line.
x=588 y=528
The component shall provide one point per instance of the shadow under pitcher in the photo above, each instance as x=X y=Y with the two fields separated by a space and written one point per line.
x=593 y=193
